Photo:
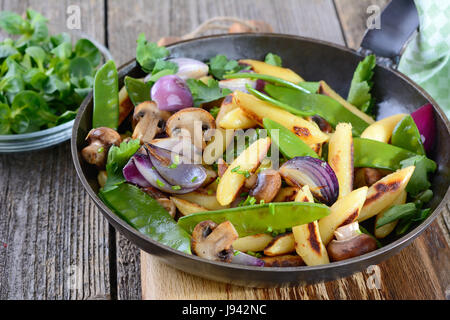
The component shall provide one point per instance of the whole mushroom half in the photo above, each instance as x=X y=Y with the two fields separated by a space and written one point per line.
x=267 y=185
x=350 y=242
x=214 y=242
x=100 y=140
x=192 y=123
x=148 y=121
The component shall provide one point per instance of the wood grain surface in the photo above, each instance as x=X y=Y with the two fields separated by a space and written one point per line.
x=55 y=245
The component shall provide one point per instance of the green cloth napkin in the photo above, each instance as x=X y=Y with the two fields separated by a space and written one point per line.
x=426 y=59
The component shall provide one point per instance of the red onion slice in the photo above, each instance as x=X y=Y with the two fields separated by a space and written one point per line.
x=145 y=167
x=171 y=93
x=246 y=259
x=176 y=169
x=315 y=173
x=190 y=68
x=424 y=119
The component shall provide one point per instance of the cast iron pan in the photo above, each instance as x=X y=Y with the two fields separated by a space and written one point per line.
x=314 y=60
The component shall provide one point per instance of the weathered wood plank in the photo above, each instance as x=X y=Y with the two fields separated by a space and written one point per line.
x=353 y=16
x=420 y=271
x=178 y=17
x=50 y=231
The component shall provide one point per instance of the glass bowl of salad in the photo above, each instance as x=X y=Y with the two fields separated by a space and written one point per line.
x=43 y=80
x=236 y=157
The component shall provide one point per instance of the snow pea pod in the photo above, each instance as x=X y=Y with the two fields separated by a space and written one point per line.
x=407 y=136
x=289 y=143
x=374 y=154
x=137 y=90
x=106 y=97
x=260 y=218
x=146 y=215
x=268 y=78
x=322 y=105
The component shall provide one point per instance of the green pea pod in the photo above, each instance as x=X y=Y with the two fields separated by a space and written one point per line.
x=290 y=145
x=263 y=97
x=267 y=78
x=322 y=105
x=137 y=90
x=369 y=153
x=407 y=136
x=146 y=215
x=106 y=97
x=260 y=218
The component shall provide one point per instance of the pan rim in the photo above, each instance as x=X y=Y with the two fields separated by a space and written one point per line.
x=399 y=243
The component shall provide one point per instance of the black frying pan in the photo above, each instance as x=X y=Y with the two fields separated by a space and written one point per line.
x=314 y=60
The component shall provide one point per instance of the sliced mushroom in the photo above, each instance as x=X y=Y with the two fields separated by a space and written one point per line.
x=349 y=243
x=192 y=123
x=222 y=166
x=148 y=121
x=99 y=140
x=267 y=185
x=214 y=242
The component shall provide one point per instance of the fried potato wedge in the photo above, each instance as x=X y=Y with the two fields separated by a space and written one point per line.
x=257 y=110
x=281 y=244
x=384 y=192
x=308 y=243
x=287 y=260
x=253 y=243
x=340 y=157
x=344 y=211
x=125 y=104
x=203 y=198
x=382 y=129
x=217 y=145
x=236 y=119
x=286 y=194
x=248 y=161
x=384 y=231
x=185 y=207
x=268 y=69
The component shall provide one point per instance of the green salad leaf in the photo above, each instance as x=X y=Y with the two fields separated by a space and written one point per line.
x=359 y=94
x=419 y=180
x=221 y=65
x=273 y=59
x=43 y=79
x=203 y=93
x=149 y=53
x=117 y=159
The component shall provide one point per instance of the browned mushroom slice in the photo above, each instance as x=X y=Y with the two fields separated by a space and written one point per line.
x=148 y=121
x=99 y=140
x=214 y=242
x=349 y=243
x=192 y=123
x=222 y=166
x=267 y=185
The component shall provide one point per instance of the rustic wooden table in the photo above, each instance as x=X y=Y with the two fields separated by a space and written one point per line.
x=50 y=230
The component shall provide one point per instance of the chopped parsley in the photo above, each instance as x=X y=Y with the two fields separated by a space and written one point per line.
x=194 y=179
x=176 y=187
x=245 y=173
x=160 y=183
x=214 y=111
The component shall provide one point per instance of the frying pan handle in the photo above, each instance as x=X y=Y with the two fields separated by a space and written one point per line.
x=398 y=22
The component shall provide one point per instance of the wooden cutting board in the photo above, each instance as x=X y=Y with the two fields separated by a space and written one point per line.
x=420 y=271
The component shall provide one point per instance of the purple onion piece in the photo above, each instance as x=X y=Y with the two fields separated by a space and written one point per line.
x=424 y=119
x=132 y=174
x=190 y=68
x=246 y=259
x=315 y=173
x=237 y=84
x=171 y=93
x=176 y=169
x=146 y=169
